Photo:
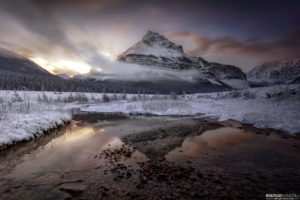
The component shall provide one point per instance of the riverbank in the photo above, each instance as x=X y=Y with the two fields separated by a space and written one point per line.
x=28 y=114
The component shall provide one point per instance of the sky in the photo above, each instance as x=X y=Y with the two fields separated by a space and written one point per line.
x=76 y=36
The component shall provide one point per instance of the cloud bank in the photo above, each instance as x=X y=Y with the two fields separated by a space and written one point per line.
x=63 y=31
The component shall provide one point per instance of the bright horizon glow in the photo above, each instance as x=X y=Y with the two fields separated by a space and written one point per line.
x=108 y=55
x=79 y=67
x=74 y=66
x=43 y=63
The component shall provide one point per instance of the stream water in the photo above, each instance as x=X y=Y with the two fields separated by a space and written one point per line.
x=151 y=158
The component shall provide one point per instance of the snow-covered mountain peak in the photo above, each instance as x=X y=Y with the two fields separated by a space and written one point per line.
x=155 y=44
x=151 y=36
x=158 y=53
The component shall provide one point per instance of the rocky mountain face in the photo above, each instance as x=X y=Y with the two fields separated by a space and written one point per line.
x=278 y=72
x=156 y=51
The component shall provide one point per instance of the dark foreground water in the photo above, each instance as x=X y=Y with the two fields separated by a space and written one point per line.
x=152 y=158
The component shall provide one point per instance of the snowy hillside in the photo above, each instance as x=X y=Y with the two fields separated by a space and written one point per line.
x=269 y=107
x=278 y=72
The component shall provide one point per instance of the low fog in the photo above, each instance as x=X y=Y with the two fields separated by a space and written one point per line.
x=103 y=68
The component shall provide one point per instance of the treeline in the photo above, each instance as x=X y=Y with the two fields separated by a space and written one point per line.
x=40 y=82
x=48 y=82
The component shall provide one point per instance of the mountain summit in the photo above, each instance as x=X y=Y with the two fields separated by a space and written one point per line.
x=156 y=50
x=156 y=45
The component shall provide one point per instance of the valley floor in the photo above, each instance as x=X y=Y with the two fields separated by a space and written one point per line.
x=27 y=114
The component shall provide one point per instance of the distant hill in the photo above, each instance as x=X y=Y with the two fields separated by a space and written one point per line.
x=19 y=73
x=277 y=72
x=14 y=63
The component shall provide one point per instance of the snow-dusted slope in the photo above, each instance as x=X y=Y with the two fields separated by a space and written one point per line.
x=277 y=72
x=154 y=50
x=276 y=107
x=156 y=45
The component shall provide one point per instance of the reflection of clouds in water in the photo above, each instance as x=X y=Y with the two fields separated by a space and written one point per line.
x=77 y=134
x=211 y=140
x=74 y=150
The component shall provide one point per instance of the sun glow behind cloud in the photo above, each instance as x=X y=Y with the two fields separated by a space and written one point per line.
x=76 y=67
x=108 y=55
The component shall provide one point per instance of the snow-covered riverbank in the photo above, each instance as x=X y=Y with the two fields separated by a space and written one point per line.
x=273 y=107
x=28 y=114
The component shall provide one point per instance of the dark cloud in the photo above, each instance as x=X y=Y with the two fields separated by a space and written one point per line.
x=43 y=25
x=82 y=29
x=78 y=5
x=286 y=47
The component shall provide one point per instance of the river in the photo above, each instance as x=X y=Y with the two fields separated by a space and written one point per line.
x=152 y=158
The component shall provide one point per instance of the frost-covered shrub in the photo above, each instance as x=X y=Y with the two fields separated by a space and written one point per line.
x=16 y=97
x=45 y=98
x=27 y=104
x=70 y=98
x=84 y=98
x=58 y=99
x=81 y=97
x=139 y=96
x=235 y=94
x=183 y=94
x=124 y=96
x=105 y=98
x=39 y=99
x=220 y=95
x=114 y=97
x=134 y=98
x=3 y=108
x=155 y=97
x=173 y=95
x=93 y=98
x=249 y=95
x=24 y=107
